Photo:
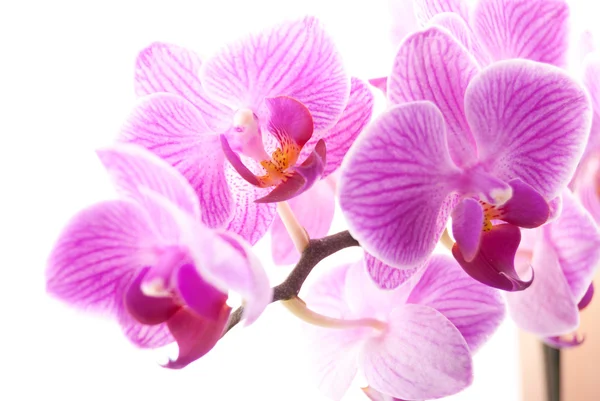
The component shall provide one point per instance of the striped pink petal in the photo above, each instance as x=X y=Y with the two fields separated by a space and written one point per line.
x=386 y=276
x=296 y=59
x=532 y=29
x=536 y=130
x=162 y=67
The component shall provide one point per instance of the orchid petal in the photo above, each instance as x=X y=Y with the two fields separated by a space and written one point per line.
x=530 y=121
x=380 y=83
x=386 y=276
x=301 y=179
x=236 y=162
x=576 y=240
x=467 y=225
x=587 y=189
x=167 y=68
x=587 y=297
x=404 y=21
x=475 y=309
x=375 y=395
x=327 y=294
x=547 y=308
x=562 y=343
x=591 y=80
x=173 y=129
x=421 y=356
x=98 y=254
x=296 y=59
x=143 y=335
x=146 y=309
x=526 y=208
x=494 y=263
x=201 y=297
x=314 y=210
x=427 y=9
x=289 y=121
x=395 y=184
x=195 y=335
x=531 y=29
x=432 y=65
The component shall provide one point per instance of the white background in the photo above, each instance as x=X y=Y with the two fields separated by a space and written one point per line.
x=66 y=85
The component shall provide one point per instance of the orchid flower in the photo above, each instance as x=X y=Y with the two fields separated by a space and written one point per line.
x=147 y=260
x=288 y=80
x=494 y=146
x=414 y=342
x=565 y=255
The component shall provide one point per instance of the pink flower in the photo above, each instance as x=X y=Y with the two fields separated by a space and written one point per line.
x=148 y=262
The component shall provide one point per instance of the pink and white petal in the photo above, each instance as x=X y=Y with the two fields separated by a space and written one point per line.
x=98 y=254
x=386 y=276
x=296 y=59
x=547 y=308
x=427 y=9
x=251 y=220
x=432 y=65
x=173 y=129
x=327 y=294
x=162 y=67
x=531 y=121
x=591 y=80
x=531 y=29
x=422 y=355
x=395 y=183
x=576 y=240
x=355 y=117
x=475 y=309
x=314 y=210
x=143 y=335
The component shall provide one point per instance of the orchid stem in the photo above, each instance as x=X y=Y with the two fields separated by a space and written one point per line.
x=298 y=234
x=446 y=240
x=299 y=309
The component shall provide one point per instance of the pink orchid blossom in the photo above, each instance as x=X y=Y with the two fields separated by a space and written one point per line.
x=428 y=329
x=565 y=254
x=491 y=147
x=288 y=80
x=147 y=260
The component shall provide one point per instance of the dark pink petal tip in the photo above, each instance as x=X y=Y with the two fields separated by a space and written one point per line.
x=587 y=298
x=302 y=179
x=203 y=298
x=237 y=163
x=289 y=120
x=494 y=263
x=195 y=335
x=562 y=342
x=526 y=208
x=146 y=309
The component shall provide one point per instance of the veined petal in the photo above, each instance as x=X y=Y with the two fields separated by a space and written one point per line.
x=296 y=59
x=547 y=308
x=531 y=121
x=475 y=309
x=355 y=117
x=195 y=335
x=532 y=29
x=427 y=9
x=327 y=295
x=395 y=182
x=162 y=67
x=432 y=65
x=467 y=225
x=576 y=240
x=143 y=335
x=421 y=356
x=173 y=129
x=494 y=263
x=386 y=276
x=314 y=210
x=289 y=121
x=98 y=254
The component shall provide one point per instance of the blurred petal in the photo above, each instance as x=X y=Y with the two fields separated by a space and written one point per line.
x=375 y=395
x=395 y=183
x=173 y=129
x=380 y=83
x=576 y=240
x=532 y=29
x=564 y=342
x=98 y=254
x=314 y=210
x=526 y=208
x=404 y=21
x=327 y=294
x=458 y=27
x=195 y=335
x=475 y=309
x=289 y=120
x=427 y=9
x=494 y=263
x=296 y=59
x=386 y=276
x=547 y=308
x=587 y=297
x=432 y=65
x=421 y=356
x=536 y=130
x=167 y=68
x=591 y=80
x=467 y=226
x=586 y=187
x=146 y=309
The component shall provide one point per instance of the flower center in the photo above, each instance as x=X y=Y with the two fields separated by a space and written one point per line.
x=490 y=212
